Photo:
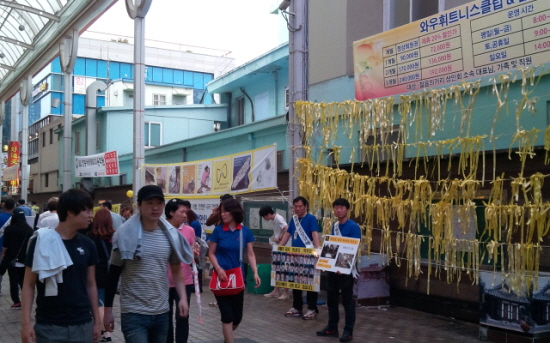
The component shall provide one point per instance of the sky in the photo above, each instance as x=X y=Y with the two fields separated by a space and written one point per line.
x=243 y=29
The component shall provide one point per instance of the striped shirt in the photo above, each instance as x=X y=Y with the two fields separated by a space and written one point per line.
x=144 y=284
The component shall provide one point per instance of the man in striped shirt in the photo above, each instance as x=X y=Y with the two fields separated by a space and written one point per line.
x=144 y=247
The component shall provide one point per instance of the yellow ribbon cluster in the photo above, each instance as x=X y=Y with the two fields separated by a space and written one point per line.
x=398 y=208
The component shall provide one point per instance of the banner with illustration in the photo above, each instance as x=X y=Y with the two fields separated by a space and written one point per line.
x=294 y=268
x=248 y=171
x=98 y=165
x=338 y=254
x=467 y=42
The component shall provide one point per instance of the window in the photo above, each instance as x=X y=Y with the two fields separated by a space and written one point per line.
x=43 y=139
x=77 y=143
x=159 y=99
x=152 y=134
x=46 y=180
x=509 y=311
x=123 y=179
x=51 y=136
x=240 y=110
x=399 y=12
x=179 y=100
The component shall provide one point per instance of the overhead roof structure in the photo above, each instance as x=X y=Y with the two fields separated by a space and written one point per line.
x=30 y=32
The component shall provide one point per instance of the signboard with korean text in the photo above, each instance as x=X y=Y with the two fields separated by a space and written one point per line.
x=481 y=38
x=10 y=173
x=247 y=171
x=81 y=83
x=14 y=151
x=294 y=268
x=203 y=209
x=338 y=254
x=98 y=165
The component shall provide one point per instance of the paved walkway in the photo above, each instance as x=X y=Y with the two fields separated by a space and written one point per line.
x=264 y=322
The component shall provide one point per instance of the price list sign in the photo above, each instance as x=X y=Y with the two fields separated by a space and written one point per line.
x=480 y=38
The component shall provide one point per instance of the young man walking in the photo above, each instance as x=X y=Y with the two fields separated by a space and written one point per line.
x=60 y=263
x=303 y=230
x=279 y=227
x=340 y=283
x=144 y=247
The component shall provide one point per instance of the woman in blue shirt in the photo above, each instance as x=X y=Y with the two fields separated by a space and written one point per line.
x=224 y=254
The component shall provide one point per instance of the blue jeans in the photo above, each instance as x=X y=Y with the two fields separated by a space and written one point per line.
x=144 y=328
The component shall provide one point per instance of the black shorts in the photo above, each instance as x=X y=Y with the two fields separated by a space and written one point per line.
x=231 y=308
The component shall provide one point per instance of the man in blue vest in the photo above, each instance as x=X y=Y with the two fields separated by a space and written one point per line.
x=303 y=230
x=340 y=283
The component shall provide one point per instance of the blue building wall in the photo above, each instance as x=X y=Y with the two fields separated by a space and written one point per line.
x=177 y=123
x=187 y=131
x=111 y=70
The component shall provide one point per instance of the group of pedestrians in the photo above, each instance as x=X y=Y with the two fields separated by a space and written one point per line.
x=76 y=276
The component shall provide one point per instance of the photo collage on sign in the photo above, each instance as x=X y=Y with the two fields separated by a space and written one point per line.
x=293 y=270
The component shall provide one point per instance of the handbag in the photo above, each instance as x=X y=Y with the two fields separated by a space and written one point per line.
x=13 y=262
x=235 y=281
x=233 y=285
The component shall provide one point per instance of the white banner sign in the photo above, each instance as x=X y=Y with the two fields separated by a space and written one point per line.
x=10 y=173
x=99 y=165
x=81 y=83
x=338 y=254
x=203 y=210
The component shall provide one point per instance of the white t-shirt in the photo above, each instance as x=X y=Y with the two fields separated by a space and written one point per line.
x=50 y=221
x=277 y=226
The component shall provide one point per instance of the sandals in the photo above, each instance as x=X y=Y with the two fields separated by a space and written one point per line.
x=213 y=304
x=310 y=314
x=293 y=313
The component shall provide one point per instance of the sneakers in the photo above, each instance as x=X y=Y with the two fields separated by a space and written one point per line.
x=16 y=306
x=283 y=296
x=328 y=332
x=271 y=295
x=346 y=336
x=293 y=313
x=310 y=314
x=105 y=339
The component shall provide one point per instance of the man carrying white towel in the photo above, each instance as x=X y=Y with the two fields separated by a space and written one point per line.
x=144 y=247
x=61 y=263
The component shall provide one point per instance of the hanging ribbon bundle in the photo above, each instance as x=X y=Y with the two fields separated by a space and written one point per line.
x=433 y=216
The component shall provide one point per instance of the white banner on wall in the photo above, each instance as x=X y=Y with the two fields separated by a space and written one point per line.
x=10 y=173
x=98 y=165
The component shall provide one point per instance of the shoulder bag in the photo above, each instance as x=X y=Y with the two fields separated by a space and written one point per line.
x=234 y=284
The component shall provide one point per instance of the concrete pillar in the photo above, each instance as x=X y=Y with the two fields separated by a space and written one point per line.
x=25 y=94
x=298 y=84
x=91 y=115
x=67 y=54
x=137 y=11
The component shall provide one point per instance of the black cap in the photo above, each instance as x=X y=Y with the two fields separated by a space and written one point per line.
x=225 y=197
x=18 y=212
x=150 y=192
